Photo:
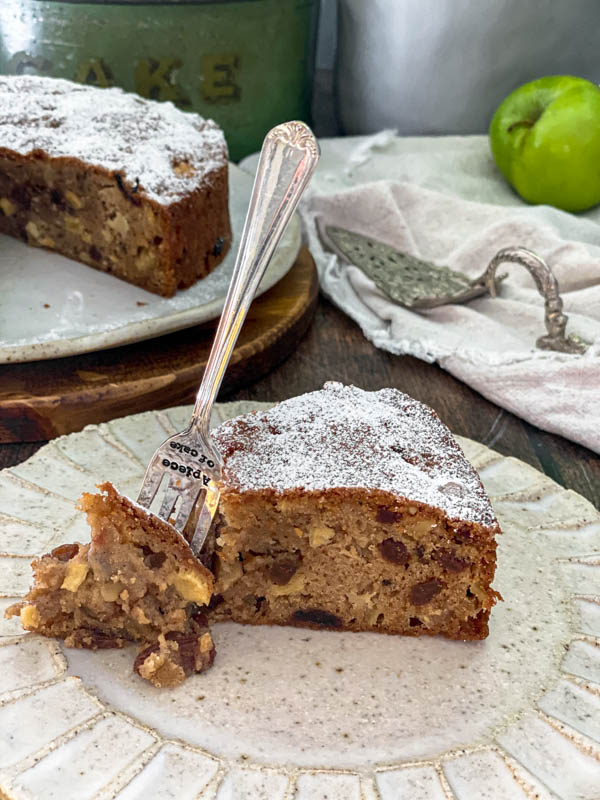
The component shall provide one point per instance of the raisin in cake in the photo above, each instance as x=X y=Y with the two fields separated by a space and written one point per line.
x=136 y=581
x=352 y=510
x=129 y=186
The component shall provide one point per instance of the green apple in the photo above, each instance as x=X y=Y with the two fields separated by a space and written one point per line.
x=545 y=138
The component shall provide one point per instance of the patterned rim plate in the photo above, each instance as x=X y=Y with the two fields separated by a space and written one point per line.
x=291 y=714
x=51 y=306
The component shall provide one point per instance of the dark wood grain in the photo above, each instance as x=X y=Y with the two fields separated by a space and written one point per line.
x=44 y=399
x=335 y=349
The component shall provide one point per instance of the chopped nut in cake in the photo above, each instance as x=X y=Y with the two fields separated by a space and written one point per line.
x=352 y=510
x=137 y=581
x=129 y=186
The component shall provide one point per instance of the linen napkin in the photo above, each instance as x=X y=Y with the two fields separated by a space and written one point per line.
x=441 y=199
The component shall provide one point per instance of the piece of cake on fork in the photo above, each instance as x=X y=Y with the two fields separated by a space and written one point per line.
x=352 y=510
x=136 y=581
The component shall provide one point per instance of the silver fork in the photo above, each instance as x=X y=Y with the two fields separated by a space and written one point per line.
x=190 y=459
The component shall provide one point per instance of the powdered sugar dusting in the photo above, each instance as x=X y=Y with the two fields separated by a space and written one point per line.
x=344 y=437
x=157 y=150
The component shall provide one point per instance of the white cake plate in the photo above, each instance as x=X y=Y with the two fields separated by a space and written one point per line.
x=52 y=306
x=294 y=714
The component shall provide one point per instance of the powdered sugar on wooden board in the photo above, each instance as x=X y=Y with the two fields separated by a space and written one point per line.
x=155 y=148
x=344 y=437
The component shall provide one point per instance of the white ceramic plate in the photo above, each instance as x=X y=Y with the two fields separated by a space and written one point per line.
x=51 y=306
x=289 y=713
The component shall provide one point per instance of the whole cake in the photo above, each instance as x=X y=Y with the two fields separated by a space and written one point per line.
x=137 y=581
x=352 y=510
x=129 y=186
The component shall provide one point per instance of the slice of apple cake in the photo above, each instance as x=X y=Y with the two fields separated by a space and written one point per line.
x=352 y=510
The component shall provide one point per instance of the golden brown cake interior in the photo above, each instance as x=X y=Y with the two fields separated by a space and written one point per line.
x=136 y=581
x=355 y=511
x=353 y=561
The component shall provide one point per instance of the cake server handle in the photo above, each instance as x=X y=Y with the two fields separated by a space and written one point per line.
x=288 y=158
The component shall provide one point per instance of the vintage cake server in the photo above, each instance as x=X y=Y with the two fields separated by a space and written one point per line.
x=188 y=462
x=417 y=284
x=404 y=278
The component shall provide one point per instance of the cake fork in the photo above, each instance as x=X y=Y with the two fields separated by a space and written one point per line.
x=188 y=463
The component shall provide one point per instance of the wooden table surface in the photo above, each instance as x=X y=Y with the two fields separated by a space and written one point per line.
x=335 y=349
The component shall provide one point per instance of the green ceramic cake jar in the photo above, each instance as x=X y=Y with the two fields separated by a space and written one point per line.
x=245 y=63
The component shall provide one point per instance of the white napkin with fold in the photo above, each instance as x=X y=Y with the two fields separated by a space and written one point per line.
x=442 y=200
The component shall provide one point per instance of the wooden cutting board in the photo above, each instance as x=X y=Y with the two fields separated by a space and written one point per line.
x=43 y=399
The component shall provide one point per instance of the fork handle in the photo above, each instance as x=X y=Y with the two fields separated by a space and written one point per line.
x=288 y=158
